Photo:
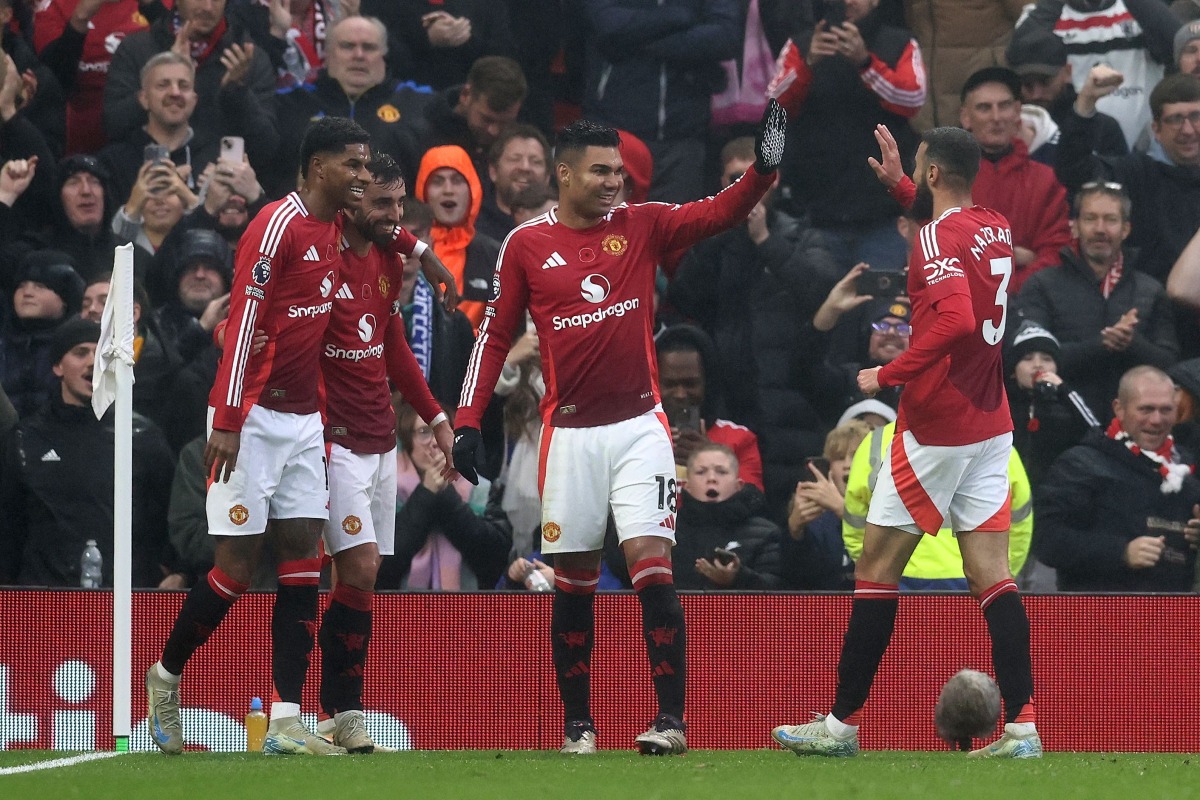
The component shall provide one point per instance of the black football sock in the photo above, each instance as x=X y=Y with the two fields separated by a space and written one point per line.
x=293 y=626
x=203 y=609
x=572 y=635
x=664 y=630
x=872 y=619
x=1008 y=626
x=345 y=636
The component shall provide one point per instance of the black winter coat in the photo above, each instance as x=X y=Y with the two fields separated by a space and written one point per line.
x=736 y=525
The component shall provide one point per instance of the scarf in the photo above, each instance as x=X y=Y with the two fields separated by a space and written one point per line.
x=1113 y=276
x=420 y=340
x=305 y=52
x=1164 y=457
x=201 y=50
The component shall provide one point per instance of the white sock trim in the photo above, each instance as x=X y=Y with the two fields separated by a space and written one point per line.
x=838 y=728
x=281 y=710
x=164 y=675
x=1021 y=728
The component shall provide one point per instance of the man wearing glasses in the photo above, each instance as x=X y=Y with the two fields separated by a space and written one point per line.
x=1161 y=182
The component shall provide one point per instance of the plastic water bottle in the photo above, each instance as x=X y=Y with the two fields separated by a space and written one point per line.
x=91 y=566
x=256 y=726
x=535 y=581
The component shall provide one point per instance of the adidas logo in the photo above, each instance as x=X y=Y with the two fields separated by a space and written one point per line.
x=344 y=293
x=555 y=260
x=668 y=523
x=51 y=455
x=311 y=254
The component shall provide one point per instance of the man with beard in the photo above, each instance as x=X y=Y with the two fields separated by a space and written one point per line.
x=364 y=346
x=518 y=160
x=948 y=461
x=1107 y=314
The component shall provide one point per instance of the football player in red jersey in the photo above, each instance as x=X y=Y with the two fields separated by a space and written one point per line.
x=266 y=451
x=947 y=465
x=365 y=345
x=585 y=271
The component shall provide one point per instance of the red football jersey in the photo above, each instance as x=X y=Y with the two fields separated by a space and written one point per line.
x=955 y=395
x=364 y=343
x=285 y=271
x=591 y=295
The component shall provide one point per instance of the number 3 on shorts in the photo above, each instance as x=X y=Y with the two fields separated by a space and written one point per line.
x=993 y=333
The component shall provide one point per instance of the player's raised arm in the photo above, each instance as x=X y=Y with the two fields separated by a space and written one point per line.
x=432 y=267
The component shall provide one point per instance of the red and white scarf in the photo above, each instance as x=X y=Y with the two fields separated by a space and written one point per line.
x=1113 y=276
x=1165 y=457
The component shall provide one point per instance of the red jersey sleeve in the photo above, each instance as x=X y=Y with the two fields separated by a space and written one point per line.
x=405 y=244
x=405 y=372
x=900 y=89
x=510 y=294
x=955 y=319
x=249 y=301
x=678 y=227
x=50 y=22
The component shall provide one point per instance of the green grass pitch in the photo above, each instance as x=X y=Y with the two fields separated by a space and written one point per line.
x=486 y=775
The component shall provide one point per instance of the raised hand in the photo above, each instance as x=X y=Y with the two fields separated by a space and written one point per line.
x=768 y=147
x=889 y=171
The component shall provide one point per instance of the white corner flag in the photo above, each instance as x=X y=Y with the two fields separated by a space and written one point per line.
x=116 y=333
x=112 y=380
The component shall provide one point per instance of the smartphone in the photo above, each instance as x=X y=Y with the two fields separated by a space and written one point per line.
x=685 y=418
x=233 y=148
x=881 y=283
x=722 y=556
x=835 y=13
x=822 y=465
x=156 y=153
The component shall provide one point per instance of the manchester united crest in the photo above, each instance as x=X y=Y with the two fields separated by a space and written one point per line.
x=614 y=244
x=551 y=531
x=388 y=113
x=384 y=286
x=239 y=514
x=352 y=524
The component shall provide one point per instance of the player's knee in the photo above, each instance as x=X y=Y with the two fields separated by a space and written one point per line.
x=295 y=539
x=357 y=567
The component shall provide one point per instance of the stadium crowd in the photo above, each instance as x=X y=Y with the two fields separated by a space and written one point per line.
x=169 y=125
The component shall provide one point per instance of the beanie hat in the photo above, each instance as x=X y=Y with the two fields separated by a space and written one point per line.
x=868 y=406
x=1041 y=53
x=202 y=244
x=1185 y=34
x=56 y=271
x=81 y=162
x=883 y=307
x=75 y=330
x=639 y=165
x=1031 y=337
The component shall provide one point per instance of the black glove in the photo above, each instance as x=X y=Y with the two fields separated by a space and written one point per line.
x=772 y=131
x=468 y=453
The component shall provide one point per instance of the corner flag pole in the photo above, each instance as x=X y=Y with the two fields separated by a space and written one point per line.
x=113 y=380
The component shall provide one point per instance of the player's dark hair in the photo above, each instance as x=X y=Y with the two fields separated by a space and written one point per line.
x=385 y=171
x=1182 y=87
x=955 y=151
x=329 y=135
x=518 y=130
x=582 y=134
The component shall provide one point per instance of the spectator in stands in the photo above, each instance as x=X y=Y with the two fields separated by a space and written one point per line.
x=1160 y=182
x=234 y=83
x=168 y=94
x=1113 y=510
x=1024 y=191
x=533 y=202
x=472 y=115
x=26 y=193
x=639 y=168
x=936 y=564
x=157 y=202
x=445 y=539
x=1187 y=47
x=813 y=555
x=521 y=385
x=305 y=26
x=201 y=300
x=651 y=69
x=1048 y=415
x=517 y=160
x=354 y=83
x=449 y=184
x=76 y=39
x=435 y=42
x=871 y=411
x=48 y=291
x=1107 y=313
x=722 y=539
x=691 y=400
x=1040 y=59
x=751 y=289
x=56 y=485
x=43 y=100
x=1134 y=37
x=862 y=73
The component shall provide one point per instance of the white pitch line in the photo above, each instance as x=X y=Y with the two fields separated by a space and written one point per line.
x=56 y=763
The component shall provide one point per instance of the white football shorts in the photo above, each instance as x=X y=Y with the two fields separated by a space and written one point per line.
x=362 y=500
x=280 y=474
x=628 y=466
x=923 y=488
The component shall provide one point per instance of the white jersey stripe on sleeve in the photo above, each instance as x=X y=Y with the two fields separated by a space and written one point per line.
x=276 y=226
x=241 y=354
